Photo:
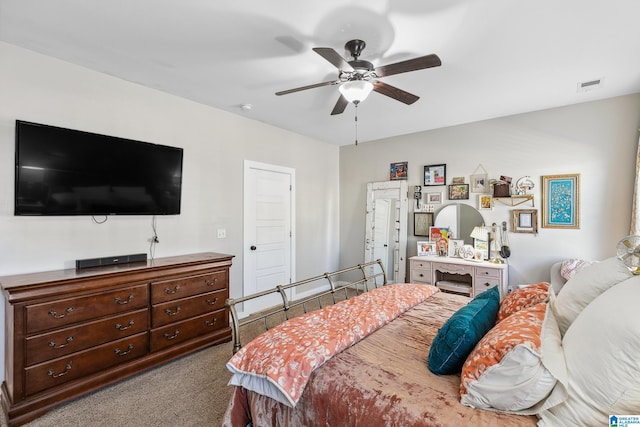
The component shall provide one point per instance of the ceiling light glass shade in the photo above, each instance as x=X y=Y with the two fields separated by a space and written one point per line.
x=356 y=90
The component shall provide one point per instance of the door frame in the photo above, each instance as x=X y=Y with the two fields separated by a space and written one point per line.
x=248 y=165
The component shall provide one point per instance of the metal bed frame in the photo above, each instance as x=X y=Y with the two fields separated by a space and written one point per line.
x=369 y=279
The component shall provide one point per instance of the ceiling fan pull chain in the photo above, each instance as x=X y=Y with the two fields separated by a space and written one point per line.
x=356 y=104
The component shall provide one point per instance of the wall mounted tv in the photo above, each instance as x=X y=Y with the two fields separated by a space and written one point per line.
x=70 y=172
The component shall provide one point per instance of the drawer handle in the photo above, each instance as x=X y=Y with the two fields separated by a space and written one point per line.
x=67 y=342
x=121 y=302
x=210 y=322
x=172 y=313
x=421 y=275
x=55 y=315
x=172 y=291
x=211 y=282
x=170 y=337
x=61 y=374
x=123 y=353
x=124 y=328
x=215 y=300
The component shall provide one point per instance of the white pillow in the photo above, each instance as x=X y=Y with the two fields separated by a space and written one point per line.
x=601 y=350
x=584 y=287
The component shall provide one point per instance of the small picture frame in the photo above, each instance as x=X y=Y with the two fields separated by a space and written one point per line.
x=434 y=198
x=454 y=246
x=426 y=248
x=485 y=202
x=435 y=175
x=524 y=221
x=458 y=180
x=561 y=201
x=398 y=171
x=422 y=222
x=480 y=183
x=459 y=192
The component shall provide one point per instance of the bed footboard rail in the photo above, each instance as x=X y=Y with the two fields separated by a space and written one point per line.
x=368 y=276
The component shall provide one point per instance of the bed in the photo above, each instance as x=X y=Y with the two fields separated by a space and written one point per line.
x=386 y=377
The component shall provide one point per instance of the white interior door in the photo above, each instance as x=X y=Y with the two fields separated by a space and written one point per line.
x=268 y=231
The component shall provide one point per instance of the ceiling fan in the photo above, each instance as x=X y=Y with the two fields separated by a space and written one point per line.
x=357 y=78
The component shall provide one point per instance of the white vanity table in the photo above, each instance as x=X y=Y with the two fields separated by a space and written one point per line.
x=459 y=275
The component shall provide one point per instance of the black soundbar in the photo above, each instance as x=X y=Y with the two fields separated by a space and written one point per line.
x=110 y=260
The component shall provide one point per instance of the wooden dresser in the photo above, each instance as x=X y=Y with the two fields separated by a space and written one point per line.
x=70 y=332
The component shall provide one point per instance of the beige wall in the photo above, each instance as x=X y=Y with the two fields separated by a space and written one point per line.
x=41 y=89
x=598 y=140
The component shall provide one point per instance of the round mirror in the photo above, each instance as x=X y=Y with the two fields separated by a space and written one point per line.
x=460 y=219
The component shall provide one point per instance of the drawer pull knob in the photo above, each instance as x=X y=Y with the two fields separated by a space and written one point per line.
x=172 y=313
x=123 y=353
x=215 y=300
x=172 y=291
x=124 y=328
x=127 y=301
x=170 y=337
x=55 y=315
x=52 y=344
x=421 y=275
x=211 y=282
x=210 y=322
x=61 y=374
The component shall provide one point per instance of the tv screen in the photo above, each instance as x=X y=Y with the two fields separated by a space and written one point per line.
x=70 y=172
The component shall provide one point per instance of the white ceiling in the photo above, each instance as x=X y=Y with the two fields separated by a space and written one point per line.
x=499 y=57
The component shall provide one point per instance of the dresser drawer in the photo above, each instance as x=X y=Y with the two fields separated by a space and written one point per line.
x=167 y=290
x=62 y=312
x=423 y=265
x=418 y=275
x=65 y=341
x=77 y=365
x=174 y=311
x=481 y=286
x=487 y=272
x=182 y=331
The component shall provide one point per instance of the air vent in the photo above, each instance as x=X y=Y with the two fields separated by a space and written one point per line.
x=590 y=85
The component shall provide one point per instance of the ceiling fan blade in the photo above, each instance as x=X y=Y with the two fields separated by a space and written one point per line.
x=334 y=57
x=298 y=89
x=395 y=93
x=420 y=63
x=340 y=106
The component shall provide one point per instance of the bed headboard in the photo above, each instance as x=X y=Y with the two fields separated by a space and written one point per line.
x=333 y=287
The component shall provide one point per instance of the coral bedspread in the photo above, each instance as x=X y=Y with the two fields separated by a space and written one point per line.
x=381 y=380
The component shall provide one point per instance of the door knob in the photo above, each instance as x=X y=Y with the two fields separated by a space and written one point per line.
x=253 y=248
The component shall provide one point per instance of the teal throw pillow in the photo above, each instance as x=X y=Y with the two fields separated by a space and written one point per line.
x=460 y=334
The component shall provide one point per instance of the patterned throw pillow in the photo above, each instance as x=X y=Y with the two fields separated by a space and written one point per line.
x=506 y=370
x=570 y=267
x=522 y=298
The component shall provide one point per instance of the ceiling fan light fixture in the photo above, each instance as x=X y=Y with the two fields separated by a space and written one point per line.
x=356 y=91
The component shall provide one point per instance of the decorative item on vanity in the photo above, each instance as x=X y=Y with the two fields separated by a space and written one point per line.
x=467 y=252
x=493 y=250
x=628 y=251
x=454 y=247
x=480 y=237
x=505 y=248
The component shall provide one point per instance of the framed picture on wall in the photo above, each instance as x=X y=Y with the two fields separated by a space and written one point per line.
x=480 y=183
x=398 y=171
x=524 y=221
x=422 y=222
x=561 y=201
x=485 y=202
x=459 y=192
x=435 y=175
x=434 y=198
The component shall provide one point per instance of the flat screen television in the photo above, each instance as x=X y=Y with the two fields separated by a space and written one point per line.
x=70 y=172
